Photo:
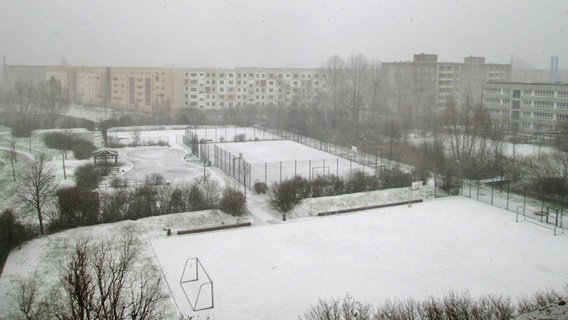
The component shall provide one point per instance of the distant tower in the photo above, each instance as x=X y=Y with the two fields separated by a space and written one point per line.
x=553 y=69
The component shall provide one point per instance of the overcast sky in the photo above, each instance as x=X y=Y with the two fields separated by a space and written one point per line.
x=279 y=33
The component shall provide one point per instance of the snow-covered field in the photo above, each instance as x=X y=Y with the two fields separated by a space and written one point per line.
x=278 y=160
x=173 y=134
x=277 y=271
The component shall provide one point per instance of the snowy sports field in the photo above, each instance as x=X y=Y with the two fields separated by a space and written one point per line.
x=277 y=271
x=278 y=160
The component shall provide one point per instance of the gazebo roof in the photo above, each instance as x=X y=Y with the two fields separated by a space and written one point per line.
x=105 y=152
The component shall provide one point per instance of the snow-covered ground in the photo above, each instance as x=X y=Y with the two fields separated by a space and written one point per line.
x=173 y=134
x=508 y=148
x=277 y=271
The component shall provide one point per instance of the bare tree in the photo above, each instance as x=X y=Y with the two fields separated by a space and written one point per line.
x=27 y=298
x=549 y=173
x=467 y=137
x=98 y=281
x=37 y=187
x=136 y=137
x=333 y=72
x=52 y=99
x=357 y=83
x=210 y=189
x=23 y=100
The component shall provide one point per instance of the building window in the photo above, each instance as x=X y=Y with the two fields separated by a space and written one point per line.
x=544 y=93
x=562 y=117
x=562 y=105
x=544 y=104
x=562 y=94
x=542 y=115
x=492 y=91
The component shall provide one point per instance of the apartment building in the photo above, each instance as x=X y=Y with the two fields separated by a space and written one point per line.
x=426 y=86
x=141 y=89
x=526 y=107
x=227 y=88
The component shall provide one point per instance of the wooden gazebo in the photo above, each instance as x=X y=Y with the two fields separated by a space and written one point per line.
x=105 y=158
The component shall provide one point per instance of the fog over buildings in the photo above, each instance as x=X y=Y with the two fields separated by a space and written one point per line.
x=295 y=33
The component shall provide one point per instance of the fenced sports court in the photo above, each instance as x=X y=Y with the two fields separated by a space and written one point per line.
x=257 y=160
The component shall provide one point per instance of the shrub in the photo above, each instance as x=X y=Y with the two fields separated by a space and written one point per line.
x=87 y=177
x=233 y=202
x=240 y=137
x=77 y=207
x=118 y=182
x=114 y=205
x=196 y=199
x=358 y=182
x=82 y=149
x=154 y=179
x=12 y=234
x=286 y=194
x=395 y=178
x=142 y=203
x=260 y=187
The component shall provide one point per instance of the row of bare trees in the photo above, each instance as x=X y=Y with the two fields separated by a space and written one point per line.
x=28 y=104
x=452 y=306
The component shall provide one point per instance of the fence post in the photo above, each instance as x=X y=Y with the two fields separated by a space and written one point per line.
x=310 y=170
x=507 y=195
x=265 y=173
x=349 y=168
x=280 y=171
x=337 y=168
x=492 y=194
x=295 y=167
x=478 y=183
x=524 y=200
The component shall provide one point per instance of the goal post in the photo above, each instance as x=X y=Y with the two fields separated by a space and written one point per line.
x=323 y=171
x=197 y=286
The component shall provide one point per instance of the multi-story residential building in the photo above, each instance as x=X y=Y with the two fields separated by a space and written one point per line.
x=90 y=85
x=227 y=88
x=141 y=89
x=526 y=107
x=425 y=86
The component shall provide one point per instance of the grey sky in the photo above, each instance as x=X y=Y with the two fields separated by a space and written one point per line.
x=286 y=33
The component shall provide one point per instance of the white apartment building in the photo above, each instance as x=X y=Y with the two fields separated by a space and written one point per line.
x=526 y=107
x=226 y=88
x=425 y=86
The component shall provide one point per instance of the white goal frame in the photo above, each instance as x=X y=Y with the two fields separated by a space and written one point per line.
x=195 y=282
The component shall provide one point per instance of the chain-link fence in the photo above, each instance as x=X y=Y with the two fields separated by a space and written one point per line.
x=228 y=134
x=527 y=206
x=351 y=152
